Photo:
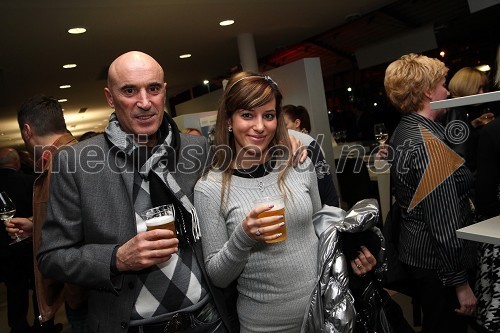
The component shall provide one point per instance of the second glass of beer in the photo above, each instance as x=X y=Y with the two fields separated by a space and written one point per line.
x=161 y=217
x=277 y=210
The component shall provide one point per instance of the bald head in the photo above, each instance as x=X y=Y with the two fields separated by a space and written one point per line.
x=9 y=158
x=132 y=61
x=136 y=91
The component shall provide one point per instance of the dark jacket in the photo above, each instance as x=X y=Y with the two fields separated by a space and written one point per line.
x=91 y=211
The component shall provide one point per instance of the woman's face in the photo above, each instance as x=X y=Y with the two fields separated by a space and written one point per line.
x=254 y=130
x=291 y=123
x=439 y=94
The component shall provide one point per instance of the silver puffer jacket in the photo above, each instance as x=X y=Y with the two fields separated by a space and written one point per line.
x=331 y=307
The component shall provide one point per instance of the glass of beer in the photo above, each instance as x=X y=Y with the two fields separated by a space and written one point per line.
x=161 y=217
x=277 y=210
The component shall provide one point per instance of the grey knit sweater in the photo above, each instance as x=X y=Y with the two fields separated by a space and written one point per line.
x=274 y=280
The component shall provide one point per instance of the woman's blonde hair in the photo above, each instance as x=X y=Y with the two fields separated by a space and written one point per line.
x=409 y=78
x=247 y=91
x=467 y=81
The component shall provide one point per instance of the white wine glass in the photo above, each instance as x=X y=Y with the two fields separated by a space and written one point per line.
x=381 y=134
x=7 y=211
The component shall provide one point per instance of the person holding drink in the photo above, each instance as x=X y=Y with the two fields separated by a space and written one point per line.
x=94 y=235
x=252 y=176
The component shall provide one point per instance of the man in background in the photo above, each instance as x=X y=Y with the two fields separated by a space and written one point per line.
x=44 y=132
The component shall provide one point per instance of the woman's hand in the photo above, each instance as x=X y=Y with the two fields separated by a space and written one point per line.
x=383 y=152
x=466 y=298
x=264 y=228
x=364 y=262
x=483 y=120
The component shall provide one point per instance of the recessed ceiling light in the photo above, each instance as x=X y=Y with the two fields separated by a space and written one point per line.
x=206 y=82
x=184 y=56
x=65 y=86
x=69 y=66
x=349 y=89
x=62 y=100
x=225 y=23
x=77 y=31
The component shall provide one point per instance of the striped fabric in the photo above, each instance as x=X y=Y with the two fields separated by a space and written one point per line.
x=428 y=238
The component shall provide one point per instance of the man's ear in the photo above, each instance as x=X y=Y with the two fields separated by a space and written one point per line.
x=109 y=97
x=26 y=132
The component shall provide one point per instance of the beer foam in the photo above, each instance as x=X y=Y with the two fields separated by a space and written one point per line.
x=159 y=220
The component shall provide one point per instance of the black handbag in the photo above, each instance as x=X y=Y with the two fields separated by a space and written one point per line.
x=377 y=312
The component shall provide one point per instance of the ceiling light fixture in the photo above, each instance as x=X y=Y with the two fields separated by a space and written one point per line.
x=65 y=86
x=69 y=66
x=62 y=100
x=77 y=31
x=206 y=82
x=483 y=68
x=184 y=56
x=442 y=54
x=349 y=89
x=225 y=23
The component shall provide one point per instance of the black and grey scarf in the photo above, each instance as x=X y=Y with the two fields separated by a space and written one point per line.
x=176 y=284
x=155 y=163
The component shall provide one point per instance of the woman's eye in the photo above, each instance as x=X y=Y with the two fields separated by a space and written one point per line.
x=269 y=116
x=246 y=115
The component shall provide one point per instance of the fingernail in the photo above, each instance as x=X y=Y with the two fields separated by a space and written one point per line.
x=271 y=206
x=279 y=235
x=282 y=224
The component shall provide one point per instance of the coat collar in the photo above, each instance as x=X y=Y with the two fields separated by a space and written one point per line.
x=43 y=162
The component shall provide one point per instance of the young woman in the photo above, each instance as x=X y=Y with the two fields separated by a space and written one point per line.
x=274 y=280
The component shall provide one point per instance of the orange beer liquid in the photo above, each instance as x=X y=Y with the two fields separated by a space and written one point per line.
x=282 y=230
x=161 y=222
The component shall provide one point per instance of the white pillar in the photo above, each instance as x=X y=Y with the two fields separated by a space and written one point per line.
x=248 y=55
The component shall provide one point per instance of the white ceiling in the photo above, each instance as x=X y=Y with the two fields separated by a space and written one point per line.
x=34 y=44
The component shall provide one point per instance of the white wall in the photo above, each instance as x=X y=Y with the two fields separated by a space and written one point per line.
x=301 y=83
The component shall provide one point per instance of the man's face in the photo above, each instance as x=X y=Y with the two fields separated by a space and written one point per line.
x=137 y=93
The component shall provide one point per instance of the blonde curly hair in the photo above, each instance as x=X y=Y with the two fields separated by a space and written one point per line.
x=409 y=78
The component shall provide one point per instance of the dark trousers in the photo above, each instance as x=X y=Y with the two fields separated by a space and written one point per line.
x=438 y=303
x=78 y=318
x=18 y=272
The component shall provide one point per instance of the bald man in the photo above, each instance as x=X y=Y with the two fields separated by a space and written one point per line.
x=139 y=281
x=16 y=261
